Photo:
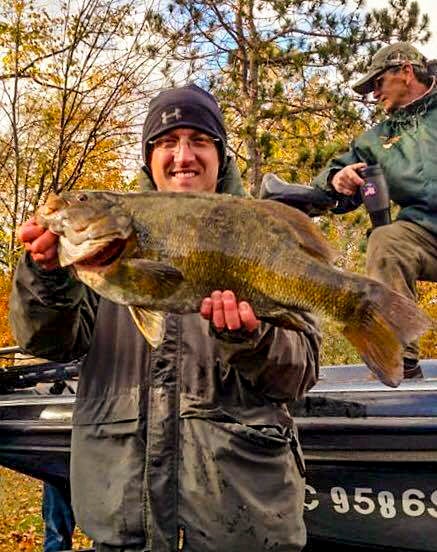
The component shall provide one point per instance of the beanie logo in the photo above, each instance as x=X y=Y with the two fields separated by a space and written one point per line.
x=167 y=116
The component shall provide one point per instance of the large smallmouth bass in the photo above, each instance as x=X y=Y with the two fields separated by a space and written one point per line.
x=162 y=252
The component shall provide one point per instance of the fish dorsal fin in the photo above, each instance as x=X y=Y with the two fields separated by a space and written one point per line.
x=150 y=323
x=306 y=233
x=155 y=278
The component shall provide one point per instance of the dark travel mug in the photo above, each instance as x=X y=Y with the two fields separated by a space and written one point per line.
x=375 y=196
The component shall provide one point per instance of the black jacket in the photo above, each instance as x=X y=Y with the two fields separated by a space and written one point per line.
x=189 y=447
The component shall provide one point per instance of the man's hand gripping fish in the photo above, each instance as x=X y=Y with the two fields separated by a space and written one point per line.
x=165 y=252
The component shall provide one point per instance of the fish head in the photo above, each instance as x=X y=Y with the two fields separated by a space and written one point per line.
x=93 y=226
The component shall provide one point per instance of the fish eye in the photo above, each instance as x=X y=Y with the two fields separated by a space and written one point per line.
x=82 y=197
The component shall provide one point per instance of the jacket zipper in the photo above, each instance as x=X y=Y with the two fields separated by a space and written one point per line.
x=179 y=354
x=147 y=527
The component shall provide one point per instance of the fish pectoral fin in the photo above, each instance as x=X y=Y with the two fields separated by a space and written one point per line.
x=150 y=323
x=158 y=279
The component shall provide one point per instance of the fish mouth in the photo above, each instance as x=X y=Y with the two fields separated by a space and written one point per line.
x=105 y=256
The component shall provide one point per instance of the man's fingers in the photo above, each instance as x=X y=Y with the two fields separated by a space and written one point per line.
x=247 y=316
x=49 y=259
x=206 y=308
x=230 y=308
x=218 y=316
x=348 y=179
x=30 y=231
x=48 y=255
x=44 y=242
x=40 y=243
x=223 y=311
x=347 y=190
x=354 y=174
x=358 y=166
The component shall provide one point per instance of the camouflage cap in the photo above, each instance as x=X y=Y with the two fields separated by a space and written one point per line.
x=385 y=58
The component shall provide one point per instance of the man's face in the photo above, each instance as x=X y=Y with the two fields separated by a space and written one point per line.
x=185 y=160
x=391 y=89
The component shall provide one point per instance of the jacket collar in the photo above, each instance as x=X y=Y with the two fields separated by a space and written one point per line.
x=420 y=105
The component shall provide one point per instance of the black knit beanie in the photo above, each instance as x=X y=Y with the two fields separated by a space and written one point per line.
x=184 y=107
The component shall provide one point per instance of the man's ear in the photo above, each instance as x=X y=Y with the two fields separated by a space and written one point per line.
x=408 y=72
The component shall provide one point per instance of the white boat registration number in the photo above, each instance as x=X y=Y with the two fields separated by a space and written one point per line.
x=366 y=501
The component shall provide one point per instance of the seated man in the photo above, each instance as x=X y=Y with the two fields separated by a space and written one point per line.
x=404 y=145
x=189 y=446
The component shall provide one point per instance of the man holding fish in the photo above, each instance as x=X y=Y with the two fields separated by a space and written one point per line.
x=186 y=445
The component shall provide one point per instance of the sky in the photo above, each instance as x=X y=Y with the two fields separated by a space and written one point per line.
x=426 y=6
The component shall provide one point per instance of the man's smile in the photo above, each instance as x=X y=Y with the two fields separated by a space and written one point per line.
x=184 y=173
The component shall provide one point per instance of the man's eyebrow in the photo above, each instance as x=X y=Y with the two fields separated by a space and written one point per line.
x=195 y=132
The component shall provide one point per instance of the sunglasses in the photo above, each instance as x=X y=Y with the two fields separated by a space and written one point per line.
x=379 y=81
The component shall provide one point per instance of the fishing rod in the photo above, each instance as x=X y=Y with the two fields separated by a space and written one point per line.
x=24 y=376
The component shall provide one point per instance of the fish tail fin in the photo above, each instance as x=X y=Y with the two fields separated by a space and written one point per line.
x=388 y=321
x=379 y=348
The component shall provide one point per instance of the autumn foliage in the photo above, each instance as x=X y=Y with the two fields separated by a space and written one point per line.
x=427 y=292
x=5 y=333
x=21 y=524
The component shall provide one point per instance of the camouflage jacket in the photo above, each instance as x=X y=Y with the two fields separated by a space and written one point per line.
x=187 y=447
x=405 y=146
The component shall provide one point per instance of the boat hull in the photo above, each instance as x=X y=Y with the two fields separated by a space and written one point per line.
x=35 y=435
x=371 y=455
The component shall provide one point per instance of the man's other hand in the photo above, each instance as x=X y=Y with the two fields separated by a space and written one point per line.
x=40 y=243
x=223 y=310
x=348 y=180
